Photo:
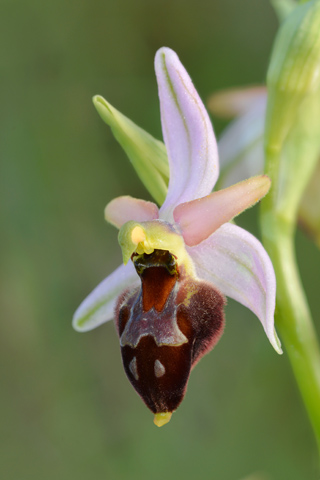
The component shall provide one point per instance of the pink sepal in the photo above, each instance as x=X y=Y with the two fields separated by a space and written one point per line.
x=187 y=133
x=236 y=262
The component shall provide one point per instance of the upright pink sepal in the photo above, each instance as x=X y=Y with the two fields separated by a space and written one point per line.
x=200 y=218
x=123 y=209
x=187 y=133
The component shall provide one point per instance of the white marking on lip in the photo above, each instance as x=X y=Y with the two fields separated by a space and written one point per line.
x=133 y=368
x=159 y=369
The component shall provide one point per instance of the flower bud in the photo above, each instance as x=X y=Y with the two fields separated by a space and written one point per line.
x=294 y=69
x=293 y=112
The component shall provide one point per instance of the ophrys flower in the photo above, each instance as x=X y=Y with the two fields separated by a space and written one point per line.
x=180 y=260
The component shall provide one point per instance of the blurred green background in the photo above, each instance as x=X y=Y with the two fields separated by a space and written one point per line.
x=67 y=409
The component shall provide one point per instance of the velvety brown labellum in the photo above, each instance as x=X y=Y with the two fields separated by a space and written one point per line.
x=165 y=327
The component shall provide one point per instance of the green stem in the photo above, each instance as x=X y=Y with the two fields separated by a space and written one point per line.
x=293 y=318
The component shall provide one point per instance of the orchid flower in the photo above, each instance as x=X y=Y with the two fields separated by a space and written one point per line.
x=241 y=142
x=180 y=261
x=241 y=148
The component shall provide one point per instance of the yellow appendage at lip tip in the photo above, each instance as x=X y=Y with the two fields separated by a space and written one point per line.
x=161 y=419
x=138 y=235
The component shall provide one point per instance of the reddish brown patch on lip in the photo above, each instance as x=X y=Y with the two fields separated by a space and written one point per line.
x=205 y=313
x=157 y=284
x=165 y=393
